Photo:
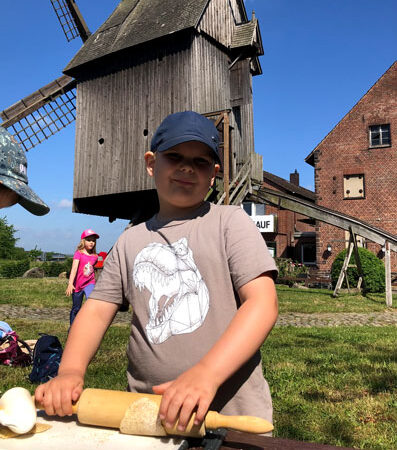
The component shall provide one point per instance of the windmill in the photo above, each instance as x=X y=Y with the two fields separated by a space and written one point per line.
x=149 y=58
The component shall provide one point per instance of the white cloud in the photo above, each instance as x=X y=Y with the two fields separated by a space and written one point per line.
x=65 y=203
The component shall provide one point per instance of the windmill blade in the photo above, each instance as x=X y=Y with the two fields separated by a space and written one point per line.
x=43 y=113
x=71 y=20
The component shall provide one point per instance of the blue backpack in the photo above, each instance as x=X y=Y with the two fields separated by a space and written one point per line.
x=47 y=355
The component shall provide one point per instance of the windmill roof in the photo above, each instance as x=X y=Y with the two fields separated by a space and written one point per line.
x=244 y=34
x=135 y=22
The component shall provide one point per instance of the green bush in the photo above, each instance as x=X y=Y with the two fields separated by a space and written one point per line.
x=14 y=269
x=373 y=271
x=53 y=268
x=288 y=268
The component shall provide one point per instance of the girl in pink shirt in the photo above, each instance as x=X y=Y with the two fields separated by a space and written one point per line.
x=82 y=276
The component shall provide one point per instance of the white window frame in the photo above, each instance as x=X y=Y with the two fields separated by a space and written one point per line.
x=382 y=130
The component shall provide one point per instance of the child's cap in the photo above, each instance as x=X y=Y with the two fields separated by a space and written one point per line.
x=13 y=174
x=89 y=232
x=183 y=127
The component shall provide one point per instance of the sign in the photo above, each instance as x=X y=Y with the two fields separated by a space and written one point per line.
x=265 y=224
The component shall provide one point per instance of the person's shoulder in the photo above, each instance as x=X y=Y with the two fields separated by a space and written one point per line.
x=77 y=254
x=228 y=211
x=131 y=233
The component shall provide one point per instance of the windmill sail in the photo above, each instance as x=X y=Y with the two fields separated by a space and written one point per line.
x=43 y=113
x=71 y=20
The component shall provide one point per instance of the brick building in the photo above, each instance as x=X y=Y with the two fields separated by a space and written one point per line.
x=287 y=234
x=356 y=170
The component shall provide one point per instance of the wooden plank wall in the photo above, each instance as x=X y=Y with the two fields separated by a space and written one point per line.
x=219 y=20
x=113 y=113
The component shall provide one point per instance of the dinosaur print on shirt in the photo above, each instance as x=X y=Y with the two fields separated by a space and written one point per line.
x=179 y=298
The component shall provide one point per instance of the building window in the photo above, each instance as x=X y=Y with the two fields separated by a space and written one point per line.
x=254 y=209
x=353 y=186
x=379 y=135
x=272 y=247
x=247 y=208
x=308 y=253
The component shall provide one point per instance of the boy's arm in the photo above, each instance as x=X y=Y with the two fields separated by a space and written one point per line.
x=84 y=338
x=245 y=334
x=72 y=276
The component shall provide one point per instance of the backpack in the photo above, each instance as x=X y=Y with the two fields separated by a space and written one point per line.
x=47 y=355
x=4 y=328
x=11 y=353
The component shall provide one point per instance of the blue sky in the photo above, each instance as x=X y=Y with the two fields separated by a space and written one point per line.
x=321 y=56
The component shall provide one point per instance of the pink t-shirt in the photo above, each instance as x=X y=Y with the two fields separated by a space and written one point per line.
x=85 y=272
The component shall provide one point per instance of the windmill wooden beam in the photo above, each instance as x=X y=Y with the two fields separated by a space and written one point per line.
x=43 y=113
x=34 y=101
x=71 y=20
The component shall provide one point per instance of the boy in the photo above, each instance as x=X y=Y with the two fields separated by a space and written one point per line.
x=200 y=282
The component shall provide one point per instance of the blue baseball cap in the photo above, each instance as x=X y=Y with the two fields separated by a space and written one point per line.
x=13 y=174
x=183 y=127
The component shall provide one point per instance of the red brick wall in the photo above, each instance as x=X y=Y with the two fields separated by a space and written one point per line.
x=346 y=151
x=287 y=223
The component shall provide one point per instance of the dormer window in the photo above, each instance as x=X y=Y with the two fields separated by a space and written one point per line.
x=379 y=135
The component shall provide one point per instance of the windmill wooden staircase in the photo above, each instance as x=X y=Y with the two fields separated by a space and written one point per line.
x=236 y=190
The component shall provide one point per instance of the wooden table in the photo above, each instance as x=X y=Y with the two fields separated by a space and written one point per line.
x=245 y=441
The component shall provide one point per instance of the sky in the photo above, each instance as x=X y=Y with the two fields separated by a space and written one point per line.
x=320 y=57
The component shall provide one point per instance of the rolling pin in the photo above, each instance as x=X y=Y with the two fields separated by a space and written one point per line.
x=135 y=413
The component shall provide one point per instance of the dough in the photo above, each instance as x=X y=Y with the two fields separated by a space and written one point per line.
x=141 y=418
x=6 y=433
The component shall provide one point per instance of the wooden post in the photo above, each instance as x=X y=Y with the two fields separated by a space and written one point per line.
x=226 y=162
x=343 y=273
x=357 y=258
x=389 y=298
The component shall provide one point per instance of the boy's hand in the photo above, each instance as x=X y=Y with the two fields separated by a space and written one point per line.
x=192 y=391
x=57 y=395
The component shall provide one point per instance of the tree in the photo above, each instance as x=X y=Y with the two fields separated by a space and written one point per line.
x=49 y=256
x=19 y=253
x=7 y=239
x=34 y=253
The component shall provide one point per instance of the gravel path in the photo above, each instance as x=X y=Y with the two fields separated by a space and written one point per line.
x=376 y=319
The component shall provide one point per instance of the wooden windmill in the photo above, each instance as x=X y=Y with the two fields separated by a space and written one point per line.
x=150 y=58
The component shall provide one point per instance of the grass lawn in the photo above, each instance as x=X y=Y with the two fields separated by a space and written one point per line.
x=50 y=293
x=329 y=385
x=34 y=292
x=321 y=301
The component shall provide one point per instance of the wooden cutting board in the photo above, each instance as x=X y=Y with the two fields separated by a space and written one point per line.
x=67 y=434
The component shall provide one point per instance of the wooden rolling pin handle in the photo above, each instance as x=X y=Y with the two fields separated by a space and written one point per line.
x=41 y=406
x=248 y=424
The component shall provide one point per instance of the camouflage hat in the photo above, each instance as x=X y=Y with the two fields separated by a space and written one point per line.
x=13 y=174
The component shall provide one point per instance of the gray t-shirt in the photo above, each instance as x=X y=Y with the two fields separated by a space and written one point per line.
x=181 y=279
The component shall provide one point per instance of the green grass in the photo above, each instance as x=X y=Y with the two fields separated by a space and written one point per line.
x=334 y=385
x=322 y=301
x=34 y=292
x=107 y=370
x=329 y=385
x=50 y=293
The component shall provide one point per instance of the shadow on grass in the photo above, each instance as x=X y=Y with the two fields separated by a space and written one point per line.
x=373 y=299
x=383 y=382
x=308 y=292
x=299 y=424
x=340 y=429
